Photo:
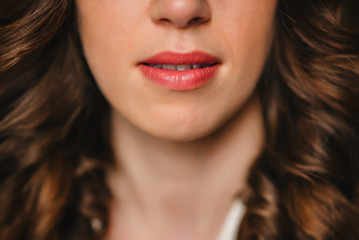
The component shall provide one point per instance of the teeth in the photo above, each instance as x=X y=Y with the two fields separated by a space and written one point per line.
x=196 y=66
x=181 y=67
x=171 y=67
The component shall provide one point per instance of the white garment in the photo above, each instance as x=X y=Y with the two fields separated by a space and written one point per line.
x=232 y=221
x=229 y=226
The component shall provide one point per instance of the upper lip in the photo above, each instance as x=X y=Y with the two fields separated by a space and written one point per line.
x=173 y=58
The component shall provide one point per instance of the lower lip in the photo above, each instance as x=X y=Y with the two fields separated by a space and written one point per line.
x=179 y=80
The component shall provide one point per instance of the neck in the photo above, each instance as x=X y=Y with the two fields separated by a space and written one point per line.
x=187 y=183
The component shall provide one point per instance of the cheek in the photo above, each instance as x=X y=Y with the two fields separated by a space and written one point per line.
x=248 y=29
x=103 y=52
x=249 y=41
x=108 y=35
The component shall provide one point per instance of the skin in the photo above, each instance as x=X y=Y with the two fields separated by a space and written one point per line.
x=183 y=155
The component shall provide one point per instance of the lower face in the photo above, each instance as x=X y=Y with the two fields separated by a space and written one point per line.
x=125 y=41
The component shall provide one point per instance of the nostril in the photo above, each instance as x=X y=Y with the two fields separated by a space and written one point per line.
x=164 y=20
x=196 y=20
x=192 y=22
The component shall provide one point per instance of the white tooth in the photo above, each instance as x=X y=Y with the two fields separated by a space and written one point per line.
x=171 y=67
x=195 y=66
x=158 y=65
x=183 y=67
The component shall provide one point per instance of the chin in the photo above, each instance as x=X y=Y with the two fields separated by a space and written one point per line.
x=182 y=134
x=182 y=129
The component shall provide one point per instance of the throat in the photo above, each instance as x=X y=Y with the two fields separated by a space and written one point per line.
x=166 y=183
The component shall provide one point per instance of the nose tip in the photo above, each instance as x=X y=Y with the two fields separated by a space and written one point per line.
x=180 y=13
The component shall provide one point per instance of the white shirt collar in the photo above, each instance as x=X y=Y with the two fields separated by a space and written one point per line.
x=232 y=221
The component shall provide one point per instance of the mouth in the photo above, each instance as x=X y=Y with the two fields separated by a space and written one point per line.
x=179 y=67
x=178 y=71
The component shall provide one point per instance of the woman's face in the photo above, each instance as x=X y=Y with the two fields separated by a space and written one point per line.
x=176 y=69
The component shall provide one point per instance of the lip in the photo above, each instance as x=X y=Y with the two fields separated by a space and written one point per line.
x=181 y=80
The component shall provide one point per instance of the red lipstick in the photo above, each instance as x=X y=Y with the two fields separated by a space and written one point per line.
x=180 y=71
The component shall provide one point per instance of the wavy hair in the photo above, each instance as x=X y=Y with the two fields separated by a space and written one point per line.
x=55 y=150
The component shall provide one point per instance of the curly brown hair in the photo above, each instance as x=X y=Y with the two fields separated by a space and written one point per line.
x=55 y=151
